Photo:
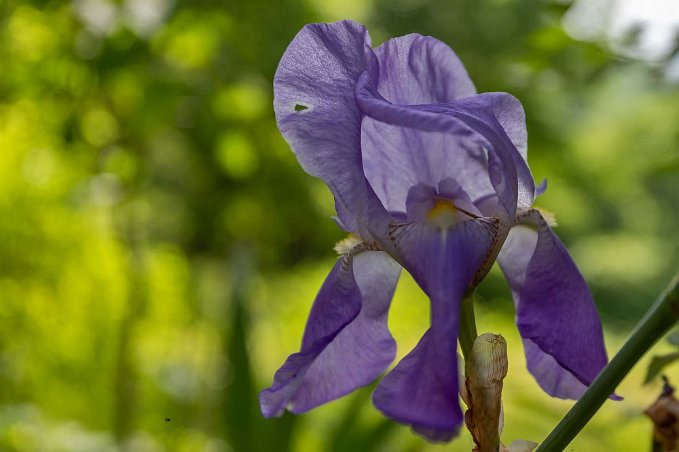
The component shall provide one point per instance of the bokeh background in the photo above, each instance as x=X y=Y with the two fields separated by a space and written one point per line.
x=160 y=247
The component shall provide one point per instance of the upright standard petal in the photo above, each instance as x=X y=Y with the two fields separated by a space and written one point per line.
x=416 y=69
x=499 y=118
x=422 y=390
x=419 y=70
x=508 y=112
x=471 y=119
x=396 y=158
x=346 y=343
x=555 y=312
x=317 y=114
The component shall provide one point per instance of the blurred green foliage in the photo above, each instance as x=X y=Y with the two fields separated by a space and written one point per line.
x=161 y=246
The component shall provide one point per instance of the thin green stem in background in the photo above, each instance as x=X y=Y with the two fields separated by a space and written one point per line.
x=662 y=316
x=468 y=332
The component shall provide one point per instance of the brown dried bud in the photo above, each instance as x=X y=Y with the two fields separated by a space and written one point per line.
x=665 y=416
x=485 y=369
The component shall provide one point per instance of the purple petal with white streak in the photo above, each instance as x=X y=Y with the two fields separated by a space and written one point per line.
x=556 y=315
x=346 y=343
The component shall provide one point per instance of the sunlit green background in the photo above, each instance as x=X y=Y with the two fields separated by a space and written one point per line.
x=160 y=247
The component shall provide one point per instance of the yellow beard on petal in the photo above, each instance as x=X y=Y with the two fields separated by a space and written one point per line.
x=344 y=246
x=549 y=217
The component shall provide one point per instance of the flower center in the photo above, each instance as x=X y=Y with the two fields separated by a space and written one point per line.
x=443 y=214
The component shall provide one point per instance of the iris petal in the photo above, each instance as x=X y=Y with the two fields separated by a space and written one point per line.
x=395 y=158
x=471 y=120
x=413 y=70
x=556 y=314
x=489 y=110
x=422 y=389
x=318 y=71
x=346 y=343
x=416 y=69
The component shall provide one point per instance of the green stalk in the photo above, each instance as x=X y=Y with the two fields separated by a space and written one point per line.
x=468 y=332
x=662 y=316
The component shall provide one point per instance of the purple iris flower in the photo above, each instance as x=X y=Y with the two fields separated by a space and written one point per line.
x=429 y=176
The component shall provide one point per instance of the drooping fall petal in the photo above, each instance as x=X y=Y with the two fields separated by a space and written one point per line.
x=555 y=312
x=422 y=390
x=347 y=325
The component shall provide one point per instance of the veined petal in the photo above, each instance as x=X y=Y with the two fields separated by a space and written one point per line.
x=443 y=261
x=499 y=118
x=396 y=158
x=346 y=343
x=555 y=312
x=419 y=70
x=422 y=390
x=317 y=114
x=476 y=119
x=509 y=114
x=416 y=69
x=554 y=379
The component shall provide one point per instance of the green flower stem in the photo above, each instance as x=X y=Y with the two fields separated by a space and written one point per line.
x=662 y=316
x=468 y=332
